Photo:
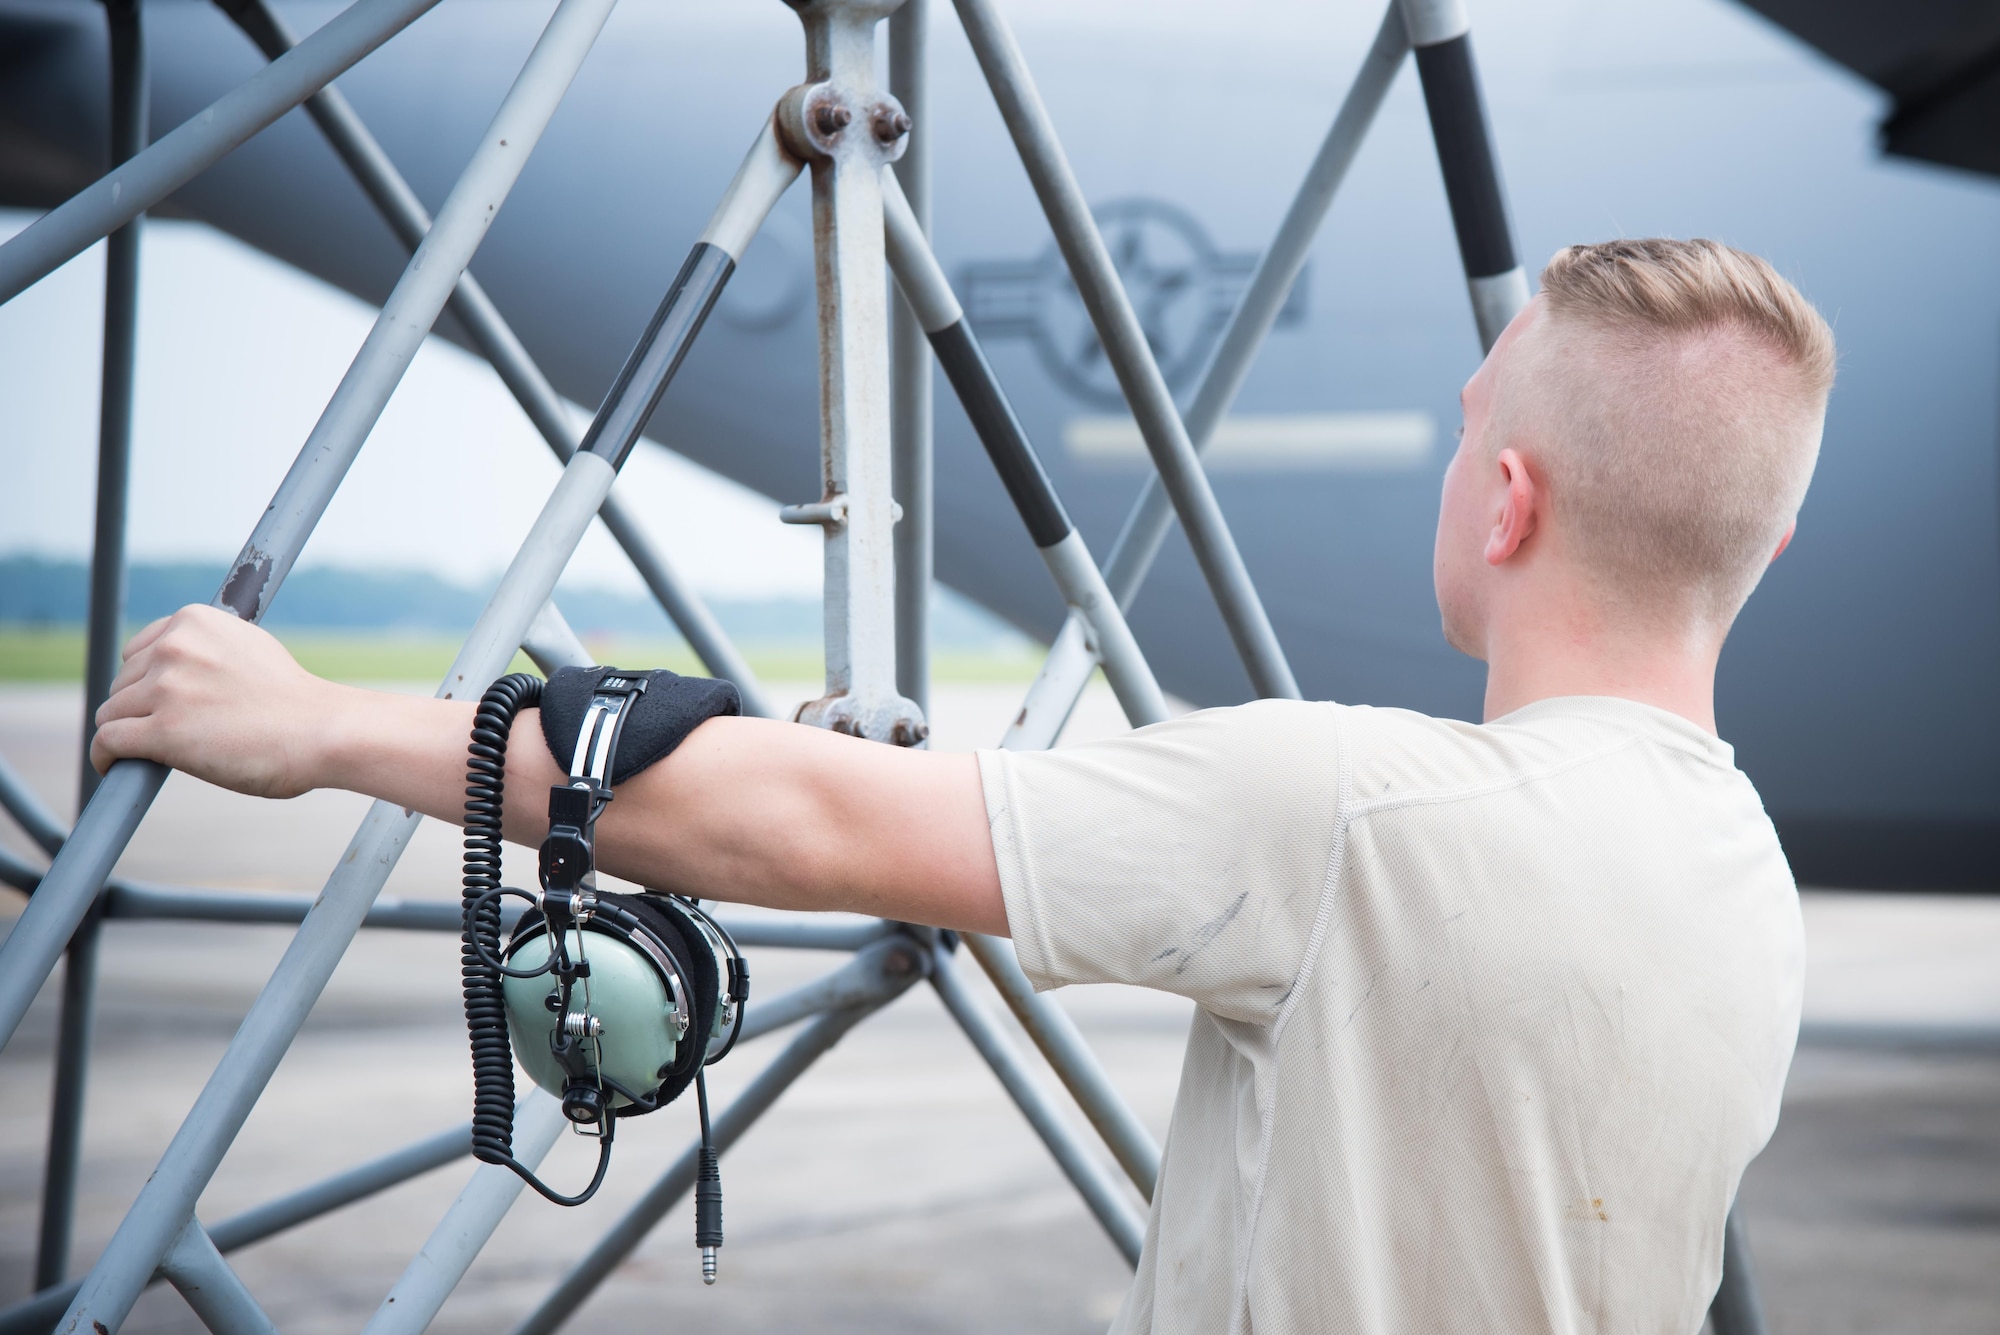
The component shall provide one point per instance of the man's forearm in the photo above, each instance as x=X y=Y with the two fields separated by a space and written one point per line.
x=745 y=809
x=787 y=816
x=408 y=750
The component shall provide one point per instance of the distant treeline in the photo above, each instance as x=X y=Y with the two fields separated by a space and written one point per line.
x=37 y=591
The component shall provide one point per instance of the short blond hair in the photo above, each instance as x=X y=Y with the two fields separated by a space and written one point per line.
x=1678 y=389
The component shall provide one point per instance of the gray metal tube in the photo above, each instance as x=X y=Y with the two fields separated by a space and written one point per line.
x=130 y=99
x=35 y=819
x=1059 y=683
x=685 y=608
x=1111 y=642
x=445 y=1256
x=70 y=886
x=1496 y=300
x=921 y=280
x=68 y=1090
x=139 y=901
x=766 y=173
x=550 y=643
x=129 y=120
x=1067 y=670
x=344 y=1188
x=1441 y=35
x=929 y=297
x=1894 y=1037
x=1077 y=576
x=1138 y=543
x=18 y=872
x=1736 y=1309
x=1434 y=21
x=1092 y=1182
x=910 y=408
x=856 y=508
x=632 y=1227
x=412 y=308
x=211 y=1288
x=39 y=1313
x=804 y=933
x=854 y=983
x=107 y=824
x=496 y=341
x=168 y=1197
x=121 y=195
x=1126 y=348
x=1130 y=1143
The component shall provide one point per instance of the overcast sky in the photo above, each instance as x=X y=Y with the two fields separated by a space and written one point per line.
x=450 y=480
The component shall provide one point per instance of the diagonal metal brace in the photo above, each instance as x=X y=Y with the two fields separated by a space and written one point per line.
x=212 y=1289
x=1070 y=1057
x=1070 y=662
x=1097 y=1187
x=496 y=341
x=1125 y=346
x=1062 y=548
x=198 y=143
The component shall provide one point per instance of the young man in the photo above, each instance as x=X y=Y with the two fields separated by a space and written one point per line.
x=1490 y=1018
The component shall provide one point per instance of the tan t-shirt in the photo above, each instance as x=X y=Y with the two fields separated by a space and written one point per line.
x=1491 y=1018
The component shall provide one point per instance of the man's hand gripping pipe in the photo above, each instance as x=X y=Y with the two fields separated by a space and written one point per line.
x=169 y=1196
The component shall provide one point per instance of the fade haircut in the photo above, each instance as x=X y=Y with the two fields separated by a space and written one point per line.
x=1677 y=391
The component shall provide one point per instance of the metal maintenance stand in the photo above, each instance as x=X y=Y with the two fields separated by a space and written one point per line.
x=875 y=385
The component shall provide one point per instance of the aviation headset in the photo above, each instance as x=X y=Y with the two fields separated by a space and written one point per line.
x=615 y=1003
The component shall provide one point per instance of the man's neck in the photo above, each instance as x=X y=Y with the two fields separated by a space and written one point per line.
x=1572 y=651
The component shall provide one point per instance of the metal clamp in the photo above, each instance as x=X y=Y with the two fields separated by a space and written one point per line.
x=812 y=120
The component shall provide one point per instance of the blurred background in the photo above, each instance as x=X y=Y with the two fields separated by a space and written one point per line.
x=896 y=1188
x=241 y=352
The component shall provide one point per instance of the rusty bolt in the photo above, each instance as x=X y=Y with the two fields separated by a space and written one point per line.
x=830 y=119
x=906 y=733
x=890 y=125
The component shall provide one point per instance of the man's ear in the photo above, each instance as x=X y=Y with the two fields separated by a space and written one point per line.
x=1785 y=541
x=1516 y=521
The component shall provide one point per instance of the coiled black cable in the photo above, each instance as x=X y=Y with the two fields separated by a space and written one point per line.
x=479 y=950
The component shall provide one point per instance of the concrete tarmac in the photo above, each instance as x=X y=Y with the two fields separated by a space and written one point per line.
x=894 y=1188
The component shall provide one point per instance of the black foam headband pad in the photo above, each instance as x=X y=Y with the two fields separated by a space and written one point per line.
x=672 y=707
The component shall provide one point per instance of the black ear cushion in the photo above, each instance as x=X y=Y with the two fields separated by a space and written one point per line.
x=672 y=707
x=530 y=919
x=692 y=952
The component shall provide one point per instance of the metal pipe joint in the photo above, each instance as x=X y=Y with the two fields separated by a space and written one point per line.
x=814 y=119
x=848 y=126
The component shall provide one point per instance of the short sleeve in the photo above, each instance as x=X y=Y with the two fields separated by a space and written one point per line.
x=1190 y=856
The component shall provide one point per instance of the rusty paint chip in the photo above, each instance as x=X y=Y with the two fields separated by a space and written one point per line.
x=243 y=592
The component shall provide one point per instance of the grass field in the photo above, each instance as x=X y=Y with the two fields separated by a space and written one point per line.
x=55 y=654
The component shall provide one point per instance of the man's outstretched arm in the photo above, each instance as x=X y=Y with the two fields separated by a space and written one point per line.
x=747 y=810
